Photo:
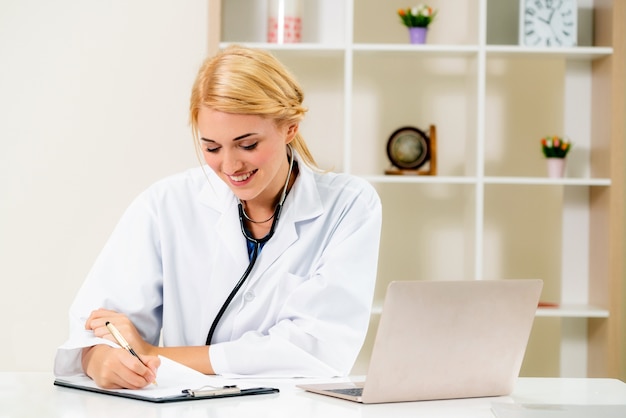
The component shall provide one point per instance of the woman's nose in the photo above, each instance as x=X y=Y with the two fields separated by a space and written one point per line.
x=231 y=163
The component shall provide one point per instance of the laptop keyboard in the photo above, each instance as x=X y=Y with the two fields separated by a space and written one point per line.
x=348 y=391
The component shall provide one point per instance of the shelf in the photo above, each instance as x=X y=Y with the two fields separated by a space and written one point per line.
x=564 y=311
x=420 y=179
x=500 y=51
x=427 y=49
x=548 y=181
x=573 y=311
x=486 y=180
x=576 y=53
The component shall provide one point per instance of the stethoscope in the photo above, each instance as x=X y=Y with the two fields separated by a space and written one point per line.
x=258 y=243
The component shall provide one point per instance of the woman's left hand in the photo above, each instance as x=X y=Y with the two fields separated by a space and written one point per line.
x=97 y=323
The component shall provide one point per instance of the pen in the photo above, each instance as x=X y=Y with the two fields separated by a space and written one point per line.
x=122 y=341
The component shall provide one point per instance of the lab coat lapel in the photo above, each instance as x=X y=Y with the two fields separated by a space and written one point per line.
x=302 y=203
x=231 y=238
x=218 y=197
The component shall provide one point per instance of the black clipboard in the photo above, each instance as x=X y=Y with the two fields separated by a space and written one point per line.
x=185 y=395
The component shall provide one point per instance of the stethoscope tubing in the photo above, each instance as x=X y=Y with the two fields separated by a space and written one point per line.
x=244 y=276
x=255 y=251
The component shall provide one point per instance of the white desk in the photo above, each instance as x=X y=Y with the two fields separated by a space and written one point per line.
x=33 y=395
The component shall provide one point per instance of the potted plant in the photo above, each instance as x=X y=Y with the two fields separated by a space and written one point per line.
x=555 y=149
x=417 y=19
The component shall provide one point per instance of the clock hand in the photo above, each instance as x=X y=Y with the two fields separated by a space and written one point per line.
x=549 y=19
x=547 y=22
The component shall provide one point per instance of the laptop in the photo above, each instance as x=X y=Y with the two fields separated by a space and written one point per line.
x=445 y=340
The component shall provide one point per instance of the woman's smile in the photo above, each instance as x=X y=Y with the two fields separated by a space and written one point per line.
x=236 y=179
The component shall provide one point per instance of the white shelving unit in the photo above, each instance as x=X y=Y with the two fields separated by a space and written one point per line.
x=490 y=212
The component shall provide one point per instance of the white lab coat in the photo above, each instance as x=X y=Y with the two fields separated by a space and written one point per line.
x=178 y=251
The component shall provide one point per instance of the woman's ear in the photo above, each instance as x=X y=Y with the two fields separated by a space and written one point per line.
x=292 y=130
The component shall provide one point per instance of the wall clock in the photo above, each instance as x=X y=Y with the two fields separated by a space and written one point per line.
x=548 y=23
x=409 y=149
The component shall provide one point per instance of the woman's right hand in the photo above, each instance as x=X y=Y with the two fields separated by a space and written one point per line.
x=116 y=368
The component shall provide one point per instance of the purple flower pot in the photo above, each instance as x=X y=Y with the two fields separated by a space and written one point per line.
x=418 y=35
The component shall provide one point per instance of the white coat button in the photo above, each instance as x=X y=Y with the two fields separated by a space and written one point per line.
x=249 y=296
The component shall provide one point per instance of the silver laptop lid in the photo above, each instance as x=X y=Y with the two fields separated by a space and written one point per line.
x=451 y=339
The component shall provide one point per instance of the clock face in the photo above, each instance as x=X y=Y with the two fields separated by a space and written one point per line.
x=408 y=148
x=551 y=23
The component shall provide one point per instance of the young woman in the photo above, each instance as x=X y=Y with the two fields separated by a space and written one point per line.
x=255 y=263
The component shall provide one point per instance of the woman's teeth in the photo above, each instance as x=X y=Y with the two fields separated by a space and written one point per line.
x=242 y=177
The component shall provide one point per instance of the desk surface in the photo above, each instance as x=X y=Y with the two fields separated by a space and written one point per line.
x=34 y=395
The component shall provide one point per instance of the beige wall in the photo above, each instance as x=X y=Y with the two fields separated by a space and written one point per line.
x=93 y=99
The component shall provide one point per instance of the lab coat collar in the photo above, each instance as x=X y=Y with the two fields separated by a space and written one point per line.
x=303 y=203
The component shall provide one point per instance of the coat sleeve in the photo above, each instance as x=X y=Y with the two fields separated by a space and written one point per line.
x=323 y=323
x=126 y=277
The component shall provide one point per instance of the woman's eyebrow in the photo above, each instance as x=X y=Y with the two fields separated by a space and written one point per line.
x=240 y=137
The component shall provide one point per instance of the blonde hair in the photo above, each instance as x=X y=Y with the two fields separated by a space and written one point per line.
x=250 y=81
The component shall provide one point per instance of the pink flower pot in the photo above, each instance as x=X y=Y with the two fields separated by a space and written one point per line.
x=556 y=167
